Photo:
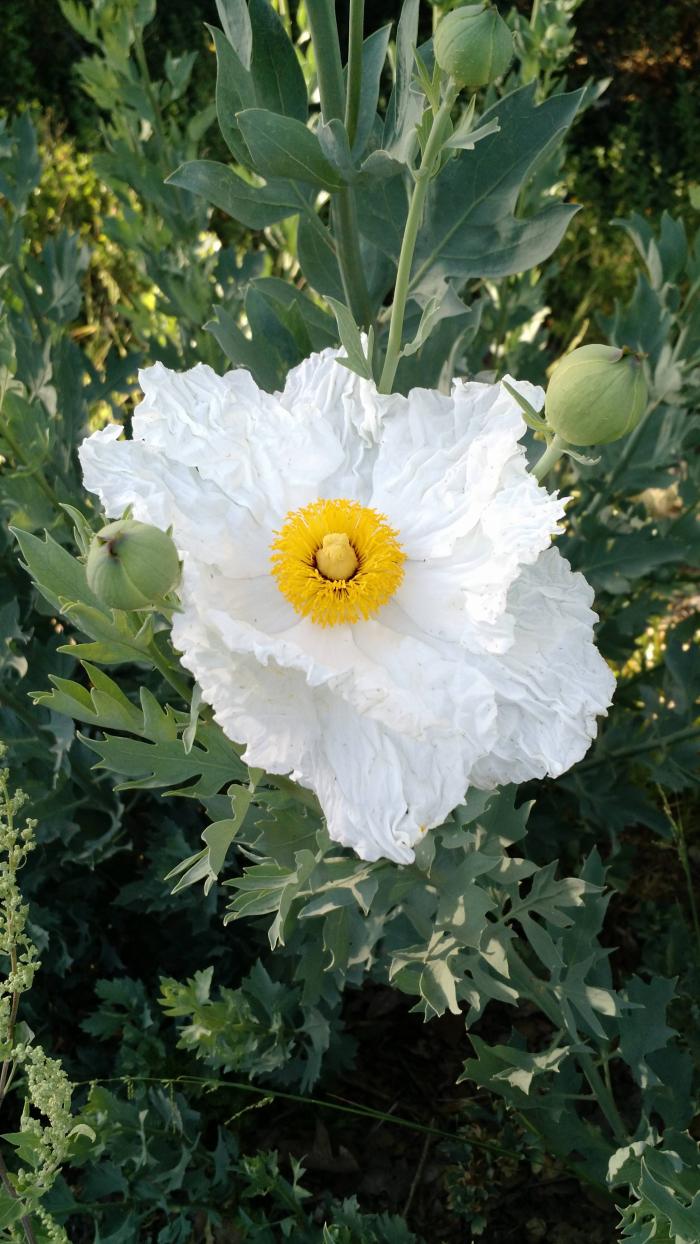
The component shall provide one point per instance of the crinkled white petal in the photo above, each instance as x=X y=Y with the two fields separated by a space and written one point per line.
x=444 y=461
x=237 y=436
x=552 y=684
x=385 y=669
x=472 y=513
x=209 y=525
x=380 y=789
x=481 y=670
x=322 y=390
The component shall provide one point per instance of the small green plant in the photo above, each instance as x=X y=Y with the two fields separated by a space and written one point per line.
x=43 y=1141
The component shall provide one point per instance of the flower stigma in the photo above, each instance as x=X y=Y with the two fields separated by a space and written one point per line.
x=336 y=558
x=337 y=561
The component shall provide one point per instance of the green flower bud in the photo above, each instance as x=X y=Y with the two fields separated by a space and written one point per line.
x=132 y=565
x=473 y=45
x=596 y=395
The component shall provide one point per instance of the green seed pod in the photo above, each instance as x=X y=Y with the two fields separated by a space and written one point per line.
x=473 y=45
x=132 y=565
x=596 y=395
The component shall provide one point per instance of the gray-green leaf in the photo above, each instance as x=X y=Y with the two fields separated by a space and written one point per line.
x=284 y=147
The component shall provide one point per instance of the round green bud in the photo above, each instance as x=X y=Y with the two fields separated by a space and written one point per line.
x=596 y=395
x=132 y=565
x=473 y=45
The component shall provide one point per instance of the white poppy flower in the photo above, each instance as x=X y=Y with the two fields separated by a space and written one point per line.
x=369 y=597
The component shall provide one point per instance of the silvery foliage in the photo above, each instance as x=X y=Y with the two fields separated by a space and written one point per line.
x=474 y=920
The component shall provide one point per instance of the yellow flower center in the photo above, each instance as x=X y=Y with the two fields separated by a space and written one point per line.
x=337 y=561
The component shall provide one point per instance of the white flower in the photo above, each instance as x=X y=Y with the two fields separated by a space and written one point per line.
x=433 y=641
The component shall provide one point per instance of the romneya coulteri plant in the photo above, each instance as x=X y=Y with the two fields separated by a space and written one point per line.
x=342 y=572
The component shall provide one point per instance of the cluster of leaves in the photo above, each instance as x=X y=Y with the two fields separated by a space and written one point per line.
x=348 y=188
x=92 y=850
x=479 y=924
x=86 y=843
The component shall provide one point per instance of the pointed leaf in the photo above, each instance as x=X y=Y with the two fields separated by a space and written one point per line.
x=234 y=92
x=374 y=50
x=235 y=19
x=277 y=74
x=284 y=147
x=351 y=340
x=256 y=207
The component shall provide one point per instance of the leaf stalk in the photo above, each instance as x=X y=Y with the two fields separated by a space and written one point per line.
x=425 y=172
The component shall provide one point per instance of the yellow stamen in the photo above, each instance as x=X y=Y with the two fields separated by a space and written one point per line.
x=337 y=561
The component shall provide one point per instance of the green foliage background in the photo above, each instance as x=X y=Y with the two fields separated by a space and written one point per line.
x=164 y=1017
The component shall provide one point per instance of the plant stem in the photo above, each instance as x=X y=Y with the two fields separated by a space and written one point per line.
x=682 y=848
x=6 y=1074
x=355 y=1108
x=552 y=454
x=539 y=992
x=171 y=676
x=8 y=809
x=665 y=740
x=354 y=83
x=324 y=36
x=25 y=1219
x=408 y=245
x=606 y=1101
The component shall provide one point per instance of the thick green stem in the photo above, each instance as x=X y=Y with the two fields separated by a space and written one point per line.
x=408 y=245
x=354 y=84
x=324 y=36
x=552 y=454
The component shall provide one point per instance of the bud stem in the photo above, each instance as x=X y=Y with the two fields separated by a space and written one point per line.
x=168 y=671
x=431 y=154
x=551 y=455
